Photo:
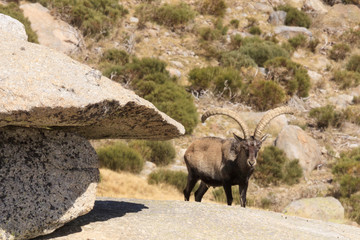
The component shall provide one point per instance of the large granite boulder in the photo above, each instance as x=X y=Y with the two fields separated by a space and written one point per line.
x=49 y=106
x=321 y=208
x=13 y=26
x=298 y=145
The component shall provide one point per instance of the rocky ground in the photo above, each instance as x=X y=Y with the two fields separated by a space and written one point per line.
x=147 y=219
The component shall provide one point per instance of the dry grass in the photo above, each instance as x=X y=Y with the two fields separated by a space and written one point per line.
x=126 y=185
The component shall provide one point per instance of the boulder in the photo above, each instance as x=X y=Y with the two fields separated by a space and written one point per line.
x=49 y=106
x=298 y=145
x=289 y=32
x=316 y=6
x=338 y=19
x=341 y=101
x=277 y=18
x=53 y=33
x=48 y=178
x=12 y=26
x=321 y=208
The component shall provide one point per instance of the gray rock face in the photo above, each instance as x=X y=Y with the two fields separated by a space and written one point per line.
x=12 y=26
x=321 y=208
x=289 y=32
x=47 y=178
x=277 y=18
x=297 y=144
x=44 y=88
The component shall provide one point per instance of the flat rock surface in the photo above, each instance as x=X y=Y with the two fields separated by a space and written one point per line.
x=40 y=87
x=117 y=219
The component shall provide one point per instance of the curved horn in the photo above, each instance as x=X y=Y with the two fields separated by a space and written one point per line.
x=230 y=114
x=265 y=120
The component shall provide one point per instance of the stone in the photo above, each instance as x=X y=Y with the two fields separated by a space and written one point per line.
x=13 y=27
x=341 y=101
x=321 y=208
x=53 y=33
x=44 y=88
x=289 y=32
x=263 y=7
x=134 y=20
x=297 y=144
x=277 y=18
x=174 y=72
x=47 y=178
x=315 y=6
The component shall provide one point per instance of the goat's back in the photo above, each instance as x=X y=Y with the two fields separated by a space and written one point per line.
x=205 y=156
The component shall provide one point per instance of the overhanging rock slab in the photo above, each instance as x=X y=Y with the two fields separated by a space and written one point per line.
x=42 y=88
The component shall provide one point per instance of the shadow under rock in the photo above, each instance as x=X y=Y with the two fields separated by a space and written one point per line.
x=103 y=210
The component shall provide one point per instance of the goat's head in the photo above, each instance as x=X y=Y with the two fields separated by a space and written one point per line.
x=251 y=144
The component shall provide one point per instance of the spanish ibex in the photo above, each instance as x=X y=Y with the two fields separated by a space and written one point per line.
x=226 y=162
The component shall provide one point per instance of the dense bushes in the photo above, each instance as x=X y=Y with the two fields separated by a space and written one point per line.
x=177 y=179
x=274 y=167
x=14 y=11
x=352 y=114
x=236 y=59
x=170 y=15
x=150 y=79
x=91 y=17
x=347 y=175
x=212 y=7
x=346 y=79
x=223 y=81
x=294 y=17
x=120 y=157
x=326 y=116
x=353 y=64
x=159 y=152
x=339 y=51
x=264 y=95
x=289 y=74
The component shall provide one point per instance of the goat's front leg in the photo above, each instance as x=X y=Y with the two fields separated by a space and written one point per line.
x=227 y=188
x=242 y=191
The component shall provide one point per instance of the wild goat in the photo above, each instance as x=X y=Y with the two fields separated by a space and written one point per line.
x=226 y=162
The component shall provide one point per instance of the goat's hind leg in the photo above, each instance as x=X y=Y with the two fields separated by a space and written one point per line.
x=229 y=197
x=191 y=181
x=201 y=191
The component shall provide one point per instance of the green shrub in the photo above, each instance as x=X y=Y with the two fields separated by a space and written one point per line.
x=261 y=51
x=346 y=79
x=351 y=37
x=265 y=95
x=161 y=153
x=177 y=179
x=269 y=166
x=294 y=17
x=14 y=11
x=224 y=81
x=352 y=114
x=235 y=23
x=255 y=30
x=115 y=56
x=293 y=172
x=273 y=167
x=356 y=100
x=213 y=7
x=298 y=41
x=173 y=15
x=313 y=43
x=339 y=51
x=236 y=41
x=149 y=79
x=236 y=60
x=209 y=34
x=292 y=76
x=119 y=157
x=91 y=17
x=353 y=64
x=326 y=116
x=352 y=207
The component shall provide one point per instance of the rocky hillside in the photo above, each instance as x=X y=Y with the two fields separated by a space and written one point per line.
x=213 y=34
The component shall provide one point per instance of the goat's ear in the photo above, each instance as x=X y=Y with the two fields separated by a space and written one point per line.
x=263 y=138
x=238 y=138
